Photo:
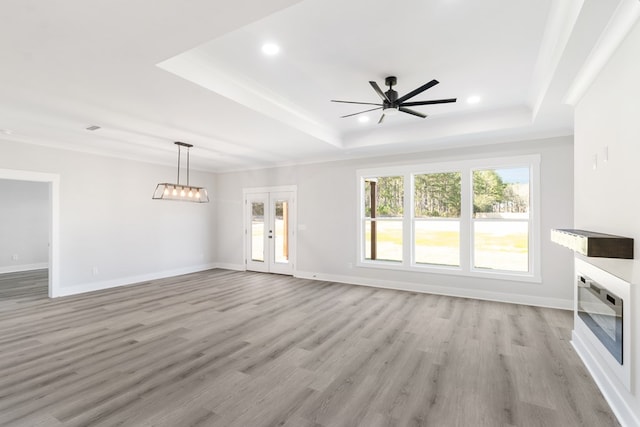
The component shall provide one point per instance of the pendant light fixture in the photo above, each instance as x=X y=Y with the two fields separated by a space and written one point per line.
x=180 y=192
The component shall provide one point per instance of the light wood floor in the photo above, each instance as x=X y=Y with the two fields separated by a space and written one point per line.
x=223 y=348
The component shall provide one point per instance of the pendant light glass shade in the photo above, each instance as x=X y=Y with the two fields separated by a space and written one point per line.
x=168 y=191
x=181 y=192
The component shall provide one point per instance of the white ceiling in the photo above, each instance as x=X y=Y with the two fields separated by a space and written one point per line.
x=156 y=71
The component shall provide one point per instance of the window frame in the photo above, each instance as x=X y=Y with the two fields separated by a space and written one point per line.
x=413 y=220
x=466 y=168
x=363 y=222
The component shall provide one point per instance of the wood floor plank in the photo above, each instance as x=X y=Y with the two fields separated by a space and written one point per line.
x=224 y=348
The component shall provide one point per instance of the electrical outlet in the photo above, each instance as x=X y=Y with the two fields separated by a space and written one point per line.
x=95 y=271
x=15 y=257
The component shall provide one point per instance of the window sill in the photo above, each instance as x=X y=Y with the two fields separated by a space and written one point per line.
x=451 y=271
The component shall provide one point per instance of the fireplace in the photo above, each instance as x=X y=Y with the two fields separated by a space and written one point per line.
x=602 y=323
x=602 y=311
x=605 y=269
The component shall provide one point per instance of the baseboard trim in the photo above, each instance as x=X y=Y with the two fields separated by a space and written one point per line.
x=124 y=281
x=619 y=405
x=360 y=281
x=23 y=267
x=442 y=290
x=235 y=267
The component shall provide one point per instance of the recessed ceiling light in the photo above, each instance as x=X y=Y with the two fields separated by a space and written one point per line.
x=363 y=119
x=270 y=49
x=473 y=99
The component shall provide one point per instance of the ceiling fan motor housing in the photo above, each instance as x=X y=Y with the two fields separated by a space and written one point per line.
x=391 y=94
x=391 y=104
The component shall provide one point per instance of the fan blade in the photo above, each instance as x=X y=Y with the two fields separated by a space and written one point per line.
x=381 y=118
x=435 y=101
x=353 y=102
x=379 y=91
x=355 y=114
x=415 y=92
x=415 y=113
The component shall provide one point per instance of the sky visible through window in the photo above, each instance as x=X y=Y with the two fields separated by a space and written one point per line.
x=514 y=176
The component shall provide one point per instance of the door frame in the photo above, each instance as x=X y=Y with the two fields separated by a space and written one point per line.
x=53 y=181
x=293 y=218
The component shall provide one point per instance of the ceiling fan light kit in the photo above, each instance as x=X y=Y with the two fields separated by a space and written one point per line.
x=391 y=104
x=390 y=111
x=180 y=192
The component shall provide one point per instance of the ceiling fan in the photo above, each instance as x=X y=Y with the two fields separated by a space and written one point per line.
x=391 y=104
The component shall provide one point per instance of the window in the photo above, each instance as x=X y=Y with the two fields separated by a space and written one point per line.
x=501 y=219
x=384 y=209
x=436 y=218
x=469 y=218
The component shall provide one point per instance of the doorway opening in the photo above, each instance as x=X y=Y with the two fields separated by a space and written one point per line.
x=269 y=229
x=53 y=182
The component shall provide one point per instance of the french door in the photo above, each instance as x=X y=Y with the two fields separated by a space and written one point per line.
x=270 y=231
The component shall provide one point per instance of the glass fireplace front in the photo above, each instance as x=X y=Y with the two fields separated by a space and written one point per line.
x=601 y=311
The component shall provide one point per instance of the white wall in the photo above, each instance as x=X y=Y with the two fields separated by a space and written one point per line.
x=111 y=231
x=24 y=225
x=327 y=210
x=607 y=199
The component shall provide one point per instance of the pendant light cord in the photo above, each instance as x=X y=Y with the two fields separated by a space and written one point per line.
x=178 y=180
x=187 y=146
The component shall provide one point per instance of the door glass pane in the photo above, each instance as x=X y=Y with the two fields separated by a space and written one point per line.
x=501 y=245
x=257 y=231
x=281 y=232
x=437 y=242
